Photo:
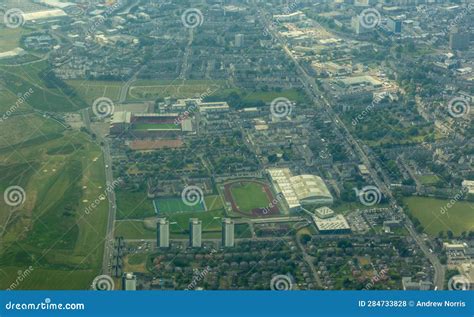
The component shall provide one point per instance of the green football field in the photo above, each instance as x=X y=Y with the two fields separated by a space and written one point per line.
x=176 y=205
x=249 y=195
x=435 y=215
x=156 y=126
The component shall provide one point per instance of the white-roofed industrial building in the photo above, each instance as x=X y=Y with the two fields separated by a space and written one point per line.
x=299 y=190
x=333 y=225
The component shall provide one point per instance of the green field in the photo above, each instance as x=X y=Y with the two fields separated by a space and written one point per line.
x=428 y=179
x=249 y=195
x=458 y=218
x=133 y=205
x=152 y=89
x=51 y=231
x=211 y=223
x=169 y=206
x=48 y=95
x=156 y=126
x=90 y=90
x=10 y=38
x=130 y=229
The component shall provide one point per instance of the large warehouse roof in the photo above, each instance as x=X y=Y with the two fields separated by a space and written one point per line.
x=310 y=187
x=301 y=189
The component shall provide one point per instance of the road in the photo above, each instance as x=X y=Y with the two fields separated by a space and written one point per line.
x=109 y=236
x=109 y=181
x=382 y=182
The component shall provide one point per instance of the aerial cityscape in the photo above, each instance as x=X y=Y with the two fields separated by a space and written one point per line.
x=236 y=145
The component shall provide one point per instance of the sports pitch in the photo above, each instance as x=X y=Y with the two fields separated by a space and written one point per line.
x=250 y=198
x=164 y=206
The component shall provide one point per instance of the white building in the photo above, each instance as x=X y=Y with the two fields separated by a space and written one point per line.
x=195 y=232
x=227 y=232
x=332 y=225
x=469 y=185
x=299 y=190
x=163 y=233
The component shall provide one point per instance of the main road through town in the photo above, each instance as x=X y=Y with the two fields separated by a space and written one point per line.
x=381 y=182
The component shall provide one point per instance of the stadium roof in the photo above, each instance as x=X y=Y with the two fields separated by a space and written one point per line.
x=310 y=187
x=301 y=189
x=46 y=14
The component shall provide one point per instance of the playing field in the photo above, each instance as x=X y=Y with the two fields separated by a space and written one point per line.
x=435 y=216
x=152 y=89
x=250 y=198
x=167 y=206
x=156 y=126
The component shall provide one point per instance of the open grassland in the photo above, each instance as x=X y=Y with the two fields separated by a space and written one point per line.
x=265 y=96
x=152 y=89
x=51 y=231
x=133 y=205
x=90 y=90
x=10 y=38
x=435 y=216
x=47 y=94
